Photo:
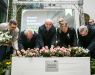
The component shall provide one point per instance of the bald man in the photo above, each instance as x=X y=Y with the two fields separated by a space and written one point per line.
x=47 y=34
x=27 y=39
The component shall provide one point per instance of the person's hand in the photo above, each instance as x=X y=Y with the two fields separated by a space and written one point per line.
x=23 y=52
x=37 y=49
x=43 y=48
x=46 y=47
x=52 y=46
x=18 y=53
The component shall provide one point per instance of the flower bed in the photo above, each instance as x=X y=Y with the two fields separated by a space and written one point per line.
x=57 y=52
x=52 y=52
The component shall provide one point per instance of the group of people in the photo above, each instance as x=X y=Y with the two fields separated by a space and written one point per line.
x=50 y=36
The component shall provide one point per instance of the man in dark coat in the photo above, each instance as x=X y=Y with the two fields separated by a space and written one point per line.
x=47 y=34
x=91 y=24
x=66 y=36
x=86 y=38
x=27 y=40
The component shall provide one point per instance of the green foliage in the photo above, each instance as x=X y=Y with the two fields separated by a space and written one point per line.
x=92 y=66
x=79 y=52
x=5 y=65
x=10 y=10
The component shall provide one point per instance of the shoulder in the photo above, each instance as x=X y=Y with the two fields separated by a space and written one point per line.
x=22 y=33
x=72 y=29
x=17 y=30
x=35 y=35
x=3 y=26
x=42 y=27
x=53 y=27
x=92 y=30
x=58 y=30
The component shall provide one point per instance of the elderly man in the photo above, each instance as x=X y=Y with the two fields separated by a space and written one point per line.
x=11 y=27
x=86 y=38
x=66 y=35
x=27 y=39
x=47 y=34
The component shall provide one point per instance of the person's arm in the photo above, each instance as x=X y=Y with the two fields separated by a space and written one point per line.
x=15 y=43
x=80 y=44
x=40 y=39
x=20 y=41
x=91 y=46
x=37 y=45
x=74 y=37
x=58 y=37
x=3 y=26
x=53 y=42
x=15 y=40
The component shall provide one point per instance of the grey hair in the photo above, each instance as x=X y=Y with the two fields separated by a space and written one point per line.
x=83 y=28
x=28 y=30
x=61 y=19
x=48 y=20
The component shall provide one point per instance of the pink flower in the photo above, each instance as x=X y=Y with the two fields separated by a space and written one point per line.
x=42 y=50
x=58 y=48
x=46 y=51
x=52 y=50
x=46 y=47
x=63 y=49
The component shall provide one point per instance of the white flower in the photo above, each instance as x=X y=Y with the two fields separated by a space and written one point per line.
x=5 y=37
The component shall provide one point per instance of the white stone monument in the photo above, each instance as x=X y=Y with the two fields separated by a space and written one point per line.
x=50 y=66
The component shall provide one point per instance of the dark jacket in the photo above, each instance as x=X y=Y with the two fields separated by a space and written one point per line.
x=24 y=43
x=46 y=38
x=87 y=41
x=66 y=39
x=91 y=26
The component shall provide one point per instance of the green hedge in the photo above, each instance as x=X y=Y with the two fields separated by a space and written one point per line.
x=92 y=66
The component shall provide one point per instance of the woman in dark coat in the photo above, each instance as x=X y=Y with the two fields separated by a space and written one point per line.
x=66 y=36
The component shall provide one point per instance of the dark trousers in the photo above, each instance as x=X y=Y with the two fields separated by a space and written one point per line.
x=5 y=52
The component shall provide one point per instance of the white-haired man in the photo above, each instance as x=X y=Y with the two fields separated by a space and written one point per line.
x=47 y=34
x=86 y=38
x=27 y=39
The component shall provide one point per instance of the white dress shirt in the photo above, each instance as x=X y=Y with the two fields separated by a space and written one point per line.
x=14 y=34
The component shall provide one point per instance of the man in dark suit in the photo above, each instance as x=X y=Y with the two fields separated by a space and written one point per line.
x=86 y=36
x=66 y=35
x=27 y=39
x=47 y=34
